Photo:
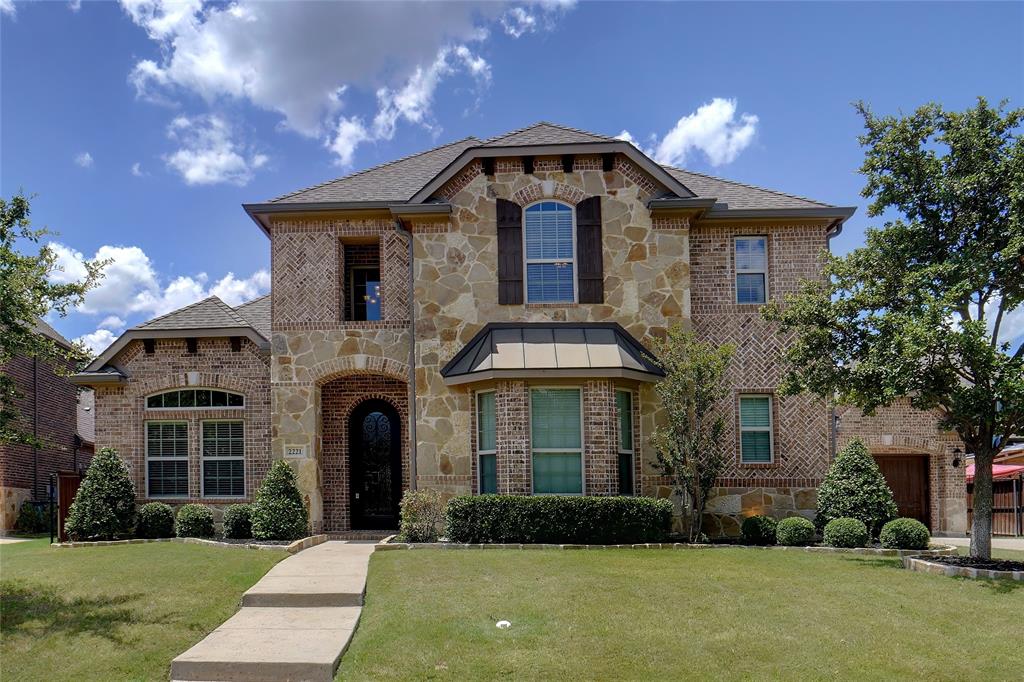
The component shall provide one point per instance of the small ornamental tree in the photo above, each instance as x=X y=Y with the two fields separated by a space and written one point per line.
x=688 y=442
x=104 y=507
x=278 y=512
x=855 y=488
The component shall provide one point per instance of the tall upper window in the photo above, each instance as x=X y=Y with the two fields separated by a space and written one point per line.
x=486 y=443
x=756 y=442
x=167 y=459
x=751 y=269
x=624 y=403
x=223 y=459
x=550 y=253
x=556 y=440
x=191 y=398
x=365 y=288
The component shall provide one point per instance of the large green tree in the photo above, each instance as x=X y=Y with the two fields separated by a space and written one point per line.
x=919 y=311
x=27 y=293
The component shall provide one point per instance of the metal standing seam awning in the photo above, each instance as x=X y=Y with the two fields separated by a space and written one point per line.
x=551 y=350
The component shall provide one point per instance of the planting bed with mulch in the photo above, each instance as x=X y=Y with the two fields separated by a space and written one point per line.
x=977 y=562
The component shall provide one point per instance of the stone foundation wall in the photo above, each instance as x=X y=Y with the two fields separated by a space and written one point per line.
x=728 y=506
x=11 y=500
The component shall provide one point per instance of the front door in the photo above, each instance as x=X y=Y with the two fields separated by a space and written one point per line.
x=907 y=476
x=376 y=465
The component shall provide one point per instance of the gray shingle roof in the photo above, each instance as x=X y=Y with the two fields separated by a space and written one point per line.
x=257 y=313
x=41 y=327
x=398 y=181
x=86 y=415
x=210 y=313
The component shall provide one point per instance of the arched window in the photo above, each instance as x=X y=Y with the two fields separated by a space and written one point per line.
x=550 y=247
x=194 y=398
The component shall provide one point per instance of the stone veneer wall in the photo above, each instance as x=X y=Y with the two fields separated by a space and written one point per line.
x=121 y=410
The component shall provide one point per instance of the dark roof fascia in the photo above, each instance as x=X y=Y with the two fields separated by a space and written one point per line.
x=549 y=373
x=610 y=147
x=411 y=210
x=143 y=333
x=840 y=213
x=97 y=378
x=684 y=203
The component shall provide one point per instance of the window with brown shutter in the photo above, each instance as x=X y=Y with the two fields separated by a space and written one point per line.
x=590 y=259
x=510 y=253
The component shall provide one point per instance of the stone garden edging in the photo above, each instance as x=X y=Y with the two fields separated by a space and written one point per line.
x=293 y=548
x=913 y=563
x=935 y=550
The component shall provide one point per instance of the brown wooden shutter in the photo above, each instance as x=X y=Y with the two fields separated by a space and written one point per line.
x=510 y=253
x=589 y=256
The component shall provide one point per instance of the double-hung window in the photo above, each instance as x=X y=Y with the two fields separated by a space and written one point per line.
x=550 y=253
x=624 y=403
x=756 y=441
x=166 y=459
x=485 y=443
x=556 y=440
x=751 y=269
x=223 y=459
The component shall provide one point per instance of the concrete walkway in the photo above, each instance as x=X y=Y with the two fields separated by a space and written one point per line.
x=294 y=624
x=997 y=542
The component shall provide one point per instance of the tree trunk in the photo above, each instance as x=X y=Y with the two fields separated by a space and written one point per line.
x=981 y=523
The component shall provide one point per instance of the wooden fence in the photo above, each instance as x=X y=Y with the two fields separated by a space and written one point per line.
x=1007 y=507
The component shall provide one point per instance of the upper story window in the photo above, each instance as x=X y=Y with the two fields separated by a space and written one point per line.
x=362 y=282
x=194 y=398
x=550 y=253
x=751 y=269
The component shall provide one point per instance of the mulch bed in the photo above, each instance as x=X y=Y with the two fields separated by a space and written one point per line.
x=976 y=562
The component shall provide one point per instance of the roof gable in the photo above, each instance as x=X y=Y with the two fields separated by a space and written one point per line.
x=210 y=313
x=257 y=313
x=545 y=133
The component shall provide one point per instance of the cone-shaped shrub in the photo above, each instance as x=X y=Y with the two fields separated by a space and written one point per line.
x=104 y=507
x=278 y=512
x=854 y=487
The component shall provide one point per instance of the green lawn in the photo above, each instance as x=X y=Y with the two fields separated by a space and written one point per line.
x=115 y=613
x=672 y=614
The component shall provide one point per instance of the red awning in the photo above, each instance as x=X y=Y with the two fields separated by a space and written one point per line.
x=998 y=471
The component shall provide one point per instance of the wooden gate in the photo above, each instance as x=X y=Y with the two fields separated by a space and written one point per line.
x=907 y=475
x=67 y=487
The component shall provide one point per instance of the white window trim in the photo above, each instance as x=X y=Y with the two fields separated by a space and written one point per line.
x=194 y=407
x=632 y=428
x=583 y=439
x=476 y=436
x=145 y=445
x=738 y=272
x=527 y=261
x=770 y=428
x=203 y=458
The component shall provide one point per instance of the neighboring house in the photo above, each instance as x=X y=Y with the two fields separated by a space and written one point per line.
x=475 y=318
x=59 y=415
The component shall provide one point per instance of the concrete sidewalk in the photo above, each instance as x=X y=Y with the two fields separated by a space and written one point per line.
x=294 y=624
x=997 y=542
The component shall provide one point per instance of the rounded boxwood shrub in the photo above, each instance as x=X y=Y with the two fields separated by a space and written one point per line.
x=846 y=532
x=557 y=519
x=422 y=516
x=278 y=512
x=904 y=533
x=104 y=506
x=194 y=521
x=794 y=531
x=238 y=521
x=758 y=530
x=854 y=487
x=156 y=520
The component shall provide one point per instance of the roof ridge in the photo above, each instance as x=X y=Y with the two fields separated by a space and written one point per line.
x=231 y=312
x=372 y=168
x=746 y=184
x=510 y=133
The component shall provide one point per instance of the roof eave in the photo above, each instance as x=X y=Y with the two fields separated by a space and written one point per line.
x=143 y=333
x=552 y=373
x=261 y=213
x=97 y=379
x=837 y=213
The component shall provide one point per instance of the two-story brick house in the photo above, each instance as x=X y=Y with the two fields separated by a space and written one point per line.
x=476 y=318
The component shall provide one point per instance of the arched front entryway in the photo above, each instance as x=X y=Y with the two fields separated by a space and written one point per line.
x=375 y=462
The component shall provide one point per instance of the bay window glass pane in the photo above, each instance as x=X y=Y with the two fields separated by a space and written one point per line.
x=624 y=402
x=557 y=473
x=755 y=411
x=485 y=427
x=488 y=474
x=549 y=282
x=625 y=473
x=756 y=446
x=555 y=419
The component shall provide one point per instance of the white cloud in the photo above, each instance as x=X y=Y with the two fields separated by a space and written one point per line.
x=208 y=153
x=84 y=159
x=7 y=7
x=137 y=170
x=517 y=21
x=713 y=129
x=305 y=60
x=97 y=341
x=75 y=5
x=534 y=16
x=1011 y=328
x=625 y=136
x=131 y=285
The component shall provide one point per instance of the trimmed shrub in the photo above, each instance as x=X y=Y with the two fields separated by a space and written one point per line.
x=794 y=531
x=758 y=530
x=238 y=521
x=846 y=532
x=33 y=518
x=557 y=519
x=104 y=507
x=904 y=533
x=422 y=516
x=194 y=521
x=854 y=487
x=278 y=512
x=156 y=520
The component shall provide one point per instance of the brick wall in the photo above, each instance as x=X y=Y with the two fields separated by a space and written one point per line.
x=121 y=410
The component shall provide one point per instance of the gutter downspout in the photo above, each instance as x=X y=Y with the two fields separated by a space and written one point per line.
x=35 y=427
x=412 y=359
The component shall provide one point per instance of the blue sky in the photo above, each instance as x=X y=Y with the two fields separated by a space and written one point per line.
x=142 y=126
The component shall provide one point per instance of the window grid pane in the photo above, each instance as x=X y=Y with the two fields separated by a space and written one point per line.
x=555 y=419
x=557 y=473
x=223 y=459
x=223 y=478
x=625 y=473
x=756 y=447
x=488 y=474
x=755 y=412
x=751 y=254
x=167 y=459
x=755 y=429
x=549 y=238
x=192 y=397
x=750 y=288
x=485 y=424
